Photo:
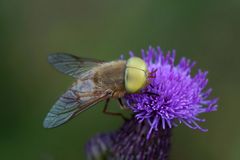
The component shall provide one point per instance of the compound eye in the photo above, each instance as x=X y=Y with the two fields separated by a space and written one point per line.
x=135 y=79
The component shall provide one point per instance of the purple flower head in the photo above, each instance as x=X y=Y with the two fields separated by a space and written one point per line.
x=173 y=96
x=98 y=147
x=129 y=142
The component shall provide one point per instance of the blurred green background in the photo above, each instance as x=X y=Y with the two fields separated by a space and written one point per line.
x=206 y=31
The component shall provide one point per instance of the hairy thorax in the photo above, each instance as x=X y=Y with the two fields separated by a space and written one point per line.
x=110 y=76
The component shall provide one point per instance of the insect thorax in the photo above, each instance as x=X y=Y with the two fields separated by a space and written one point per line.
x=111 y=75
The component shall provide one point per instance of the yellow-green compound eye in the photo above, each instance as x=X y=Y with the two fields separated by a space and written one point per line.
x=135 y=74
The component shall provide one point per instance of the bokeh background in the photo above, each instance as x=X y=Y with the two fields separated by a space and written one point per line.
x=206 y=31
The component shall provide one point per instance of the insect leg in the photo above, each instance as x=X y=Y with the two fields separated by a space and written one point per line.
x=148 y=93
x=122 y=106
x=152 y=74
x=112 y=113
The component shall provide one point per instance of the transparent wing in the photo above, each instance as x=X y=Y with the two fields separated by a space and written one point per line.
x=72 y=65
x=71 y=103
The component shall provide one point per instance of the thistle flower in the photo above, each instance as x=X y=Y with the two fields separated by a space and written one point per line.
x=130 y=143
x=174 y=96
x=98 y=147
x=177 y=96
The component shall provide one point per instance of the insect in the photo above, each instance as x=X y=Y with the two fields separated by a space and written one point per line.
x=95 y=81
